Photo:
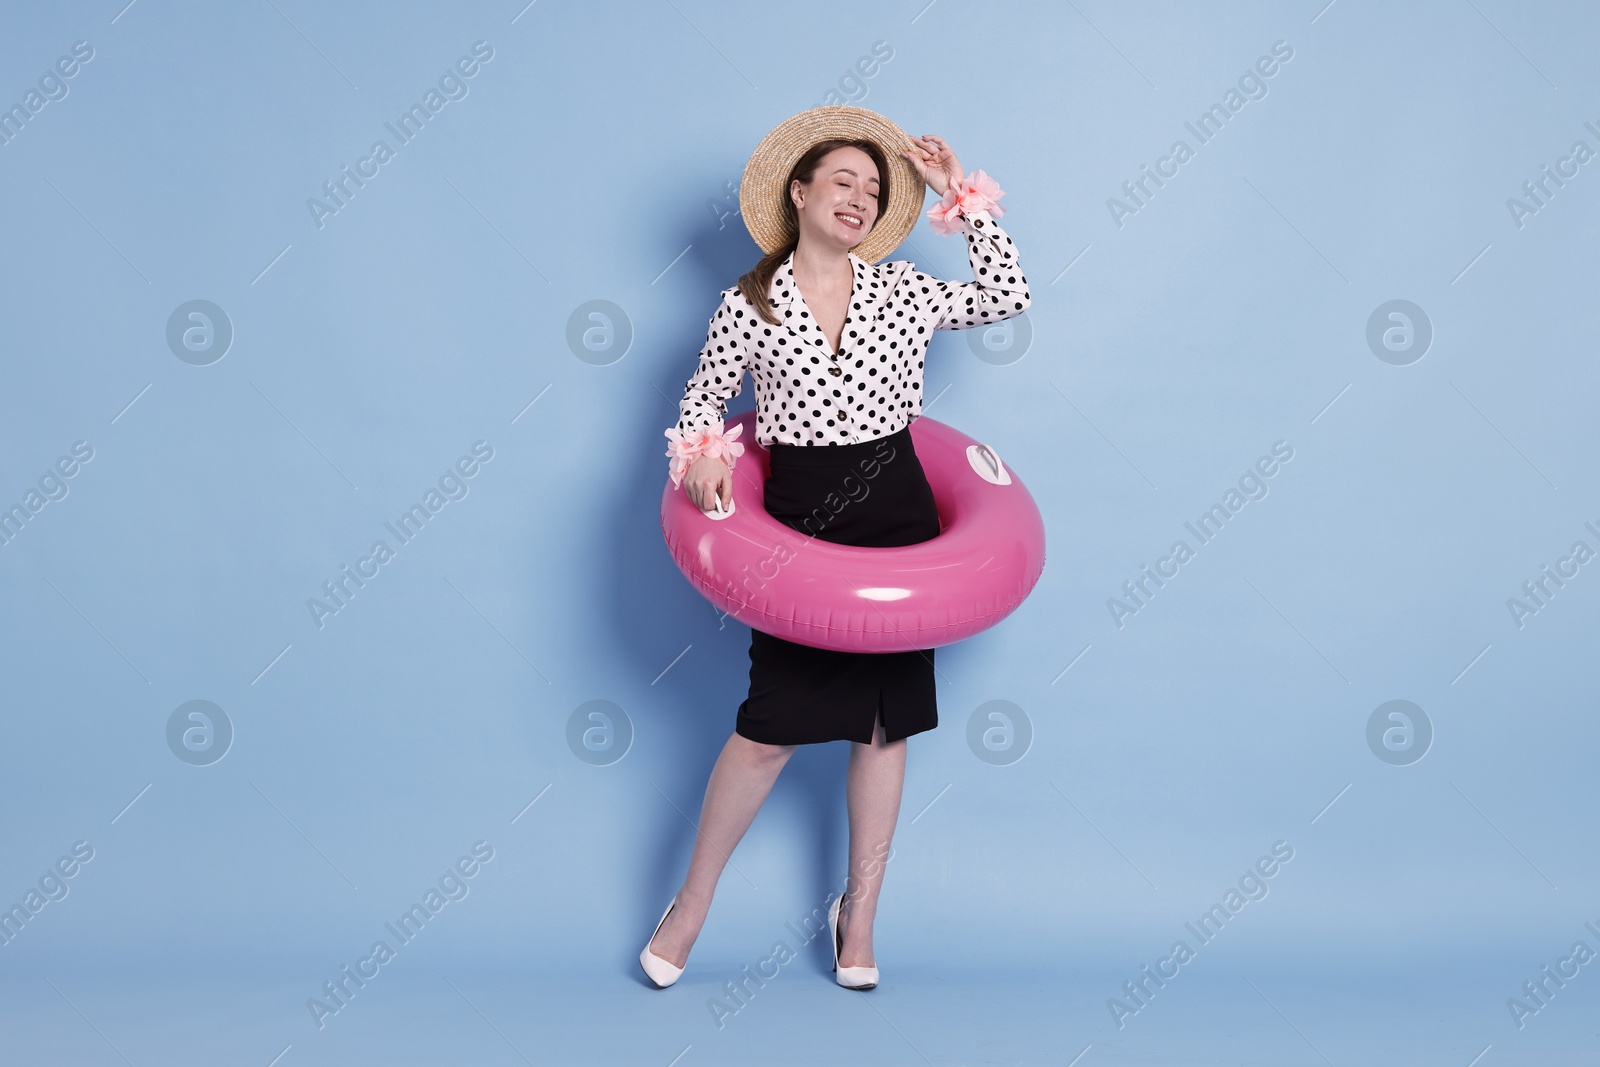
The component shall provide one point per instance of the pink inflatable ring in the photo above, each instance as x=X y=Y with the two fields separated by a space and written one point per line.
x=986 y=560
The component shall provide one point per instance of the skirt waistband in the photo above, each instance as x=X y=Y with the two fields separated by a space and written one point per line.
x=783 y=454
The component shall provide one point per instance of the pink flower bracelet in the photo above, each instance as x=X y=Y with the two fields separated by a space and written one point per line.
x=976 y=192
x=686 y=447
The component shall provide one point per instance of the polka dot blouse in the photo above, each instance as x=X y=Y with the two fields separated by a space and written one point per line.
x=807 y=394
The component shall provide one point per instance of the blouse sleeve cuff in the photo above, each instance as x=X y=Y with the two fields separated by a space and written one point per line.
x=976 y=192
x=684 y=447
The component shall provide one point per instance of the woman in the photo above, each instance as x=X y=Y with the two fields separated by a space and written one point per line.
x=835 y=346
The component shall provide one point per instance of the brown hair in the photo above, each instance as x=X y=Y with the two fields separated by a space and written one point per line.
x=756 y=284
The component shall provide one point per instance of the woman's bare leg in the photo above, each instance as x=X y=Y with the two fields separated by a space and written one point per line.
x=872 y=789
x=739 y=783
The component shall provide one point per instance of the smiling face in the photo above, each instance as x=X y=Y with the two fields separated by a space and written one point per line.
x=839 y=206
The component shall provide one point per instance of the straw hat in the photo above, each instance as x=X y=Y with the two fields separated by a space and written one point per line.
x=762 y=192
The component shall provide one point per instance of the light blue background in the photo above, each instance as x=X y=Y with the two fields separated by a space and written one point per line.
x=590 y=160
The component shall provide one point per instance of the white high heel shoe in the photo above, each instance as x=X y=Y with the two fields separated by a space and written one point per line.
x=850 y=977
x=658 y=970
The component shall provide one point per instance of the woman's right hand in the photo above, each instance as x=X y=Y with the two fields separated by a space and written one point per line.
x=709 y=481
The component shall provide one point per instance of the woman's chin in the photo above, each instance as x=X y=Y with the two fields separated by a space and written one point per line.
x=847 y=238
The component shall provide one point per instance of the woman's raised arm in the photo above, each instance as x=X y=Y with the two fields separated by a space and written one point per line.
x=998 y=290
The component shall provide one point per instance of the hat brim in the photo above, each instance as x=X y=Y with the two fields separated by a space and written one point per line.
x=762 y=191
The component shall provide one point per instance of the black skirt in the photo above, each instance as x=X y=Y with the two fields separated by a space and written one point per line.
x=801 y=695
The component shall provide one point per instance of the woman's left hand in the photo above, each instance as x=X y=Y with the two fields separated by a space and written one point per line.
x=936 y=162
